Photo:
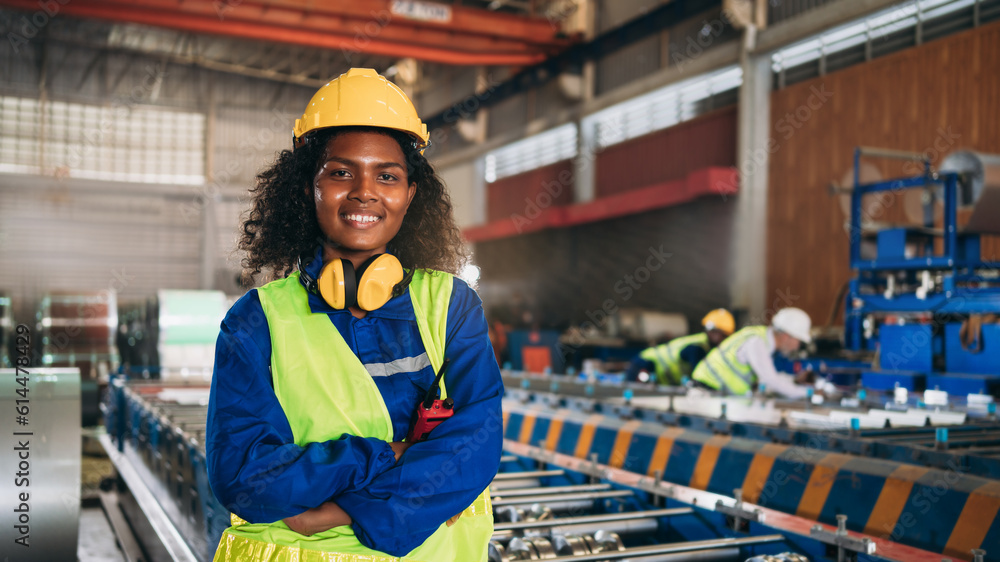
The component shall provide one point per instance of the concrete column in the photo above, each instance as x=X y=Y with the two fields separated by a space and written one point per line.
x=583 y=165
x=479 y=191
x=584 y=181
x=748 y=287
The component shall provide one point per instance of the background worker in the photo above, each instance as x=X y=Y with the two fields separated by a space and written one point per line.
x=677 y=358
x=745 y=360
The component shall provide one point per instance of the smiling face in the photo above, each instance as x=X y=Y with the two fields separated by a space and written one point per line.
x=362 y=192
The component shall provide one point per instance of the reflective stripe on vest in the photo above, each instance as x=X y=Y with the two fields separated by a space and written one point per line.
x=722 y=370
x=321 y=408
x=666 y=358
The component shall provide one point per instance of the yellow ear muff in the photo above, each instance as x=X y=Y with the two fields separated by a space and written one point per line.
x=377 y=281
x=331 y=284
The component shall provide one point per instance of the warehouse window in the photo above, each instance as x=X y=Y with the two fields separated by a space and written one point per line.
x=103 y=142
x=905 y=24
x=661 y=108
x=533 y=152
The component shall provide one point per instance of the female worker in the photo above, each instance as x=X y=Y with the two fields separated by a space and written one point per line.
x=318 y=374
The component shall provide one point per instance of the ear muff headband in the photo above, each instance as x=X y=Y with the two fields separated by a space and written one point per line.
x=331 y=284
x=377 y=280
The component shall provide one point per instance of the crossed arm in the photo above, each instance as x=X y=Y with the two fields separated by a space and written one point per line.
x=393 y=501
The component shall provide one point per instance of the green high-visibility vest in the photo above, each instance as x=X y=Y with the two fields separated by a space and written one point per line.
x=666 y=358
x=306 y=349
x=722 y=370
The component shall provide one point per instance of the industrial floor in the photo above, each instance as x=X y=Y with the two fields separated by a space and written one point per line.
x=97 y=541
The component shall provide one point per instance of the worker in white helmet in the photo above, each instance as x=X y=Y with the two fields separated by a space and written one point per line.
x=745 y=360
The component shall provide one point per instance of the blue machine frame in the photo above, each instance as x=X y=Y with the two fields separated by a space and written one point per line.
x=962 y=289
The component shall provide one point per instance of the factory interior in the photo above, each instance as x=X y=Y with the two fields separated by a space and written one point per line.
x=739 y=263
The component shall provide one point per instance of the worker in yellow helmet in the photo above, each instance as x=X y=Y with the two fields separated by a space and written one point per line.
x=676 y=359
x=745 y=359
x=309 y=441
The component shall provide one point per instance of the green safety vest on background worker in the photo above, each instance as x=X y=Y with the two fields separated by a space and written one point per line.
x=722 y=370
x=321 y=408
x=666 y=358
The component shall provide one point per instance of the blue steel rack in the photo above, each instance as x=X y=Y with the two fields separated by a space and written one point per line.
x=962 y=287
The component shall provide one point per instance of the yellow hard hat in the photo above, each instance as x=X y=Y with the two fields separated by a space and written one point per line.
x=362 y=97
x=719 y=319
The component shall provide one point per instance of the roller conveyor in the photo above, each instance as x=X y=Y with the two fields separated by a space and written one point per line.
x=570 y=509
x=883 y=476
x=875 y=426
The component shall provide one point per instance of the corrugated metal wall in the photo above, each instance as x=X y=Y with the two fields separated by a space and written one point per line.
x=613 y=13
x=246 y=140
x=548 y=99
x=83 y=235
x=627 y=64
x=508 y=115
x=634 y=61
x=787 y=9
x=669 y=154
x=517 y=193
x=891 y=102
x=567 y=272
x=74 y=233
x=443 y=86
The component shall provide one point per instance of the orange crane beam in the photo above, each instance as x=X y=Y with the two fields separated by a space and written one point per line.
x=422 y=30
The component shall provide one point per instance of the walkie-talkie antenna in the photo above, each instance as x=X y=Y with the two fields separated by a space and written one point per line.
x=432 y=391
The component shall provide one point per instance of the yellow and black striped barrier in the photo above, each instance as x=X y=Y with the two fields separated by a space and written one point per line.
x=948 y=511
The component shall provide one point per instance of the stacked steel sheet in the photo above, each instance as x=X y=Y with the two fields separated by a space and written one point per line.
x=138 y=332
x=78 y=330
x=187 y=329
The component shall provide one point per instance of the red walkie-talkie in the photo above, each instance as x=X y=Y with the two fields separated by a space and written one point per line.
x=430 y=411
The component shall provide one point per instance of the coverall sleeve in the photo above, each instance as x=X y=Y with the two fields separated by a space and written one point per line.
x=693 y=354
x=440 y=477
x=754 y=353
x=255 y=468
x=638 y=365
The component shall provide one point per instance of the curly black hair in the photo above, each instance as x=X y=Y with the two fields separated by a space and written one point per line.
x=281 y=225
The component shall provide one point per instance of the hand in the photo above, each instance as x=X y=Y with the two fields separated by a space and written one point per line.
x=318 y=519
x=805 y=377
x=399 y=447
x=453 y=520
